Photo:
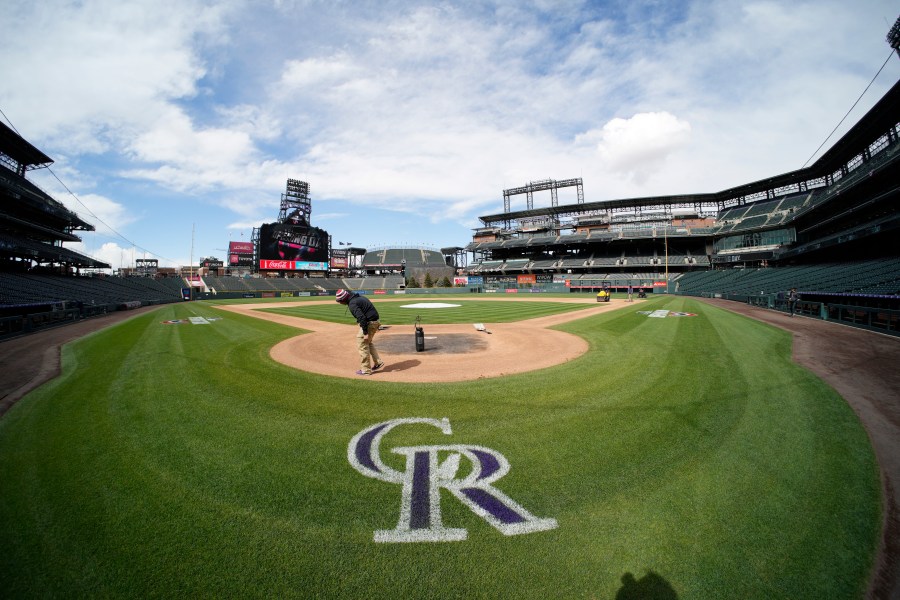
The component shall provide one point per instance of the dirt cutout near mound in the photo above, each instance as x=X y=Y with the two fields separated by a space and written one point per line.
x=330 y=348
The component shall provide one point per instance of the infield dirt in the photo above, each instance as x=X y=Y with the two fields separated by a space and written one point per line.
x=330 y=348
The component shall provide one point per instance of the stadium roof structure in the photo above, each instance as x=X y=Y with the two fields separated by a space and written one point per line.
x=878 y=122
x=33 y=225
x=19 y=151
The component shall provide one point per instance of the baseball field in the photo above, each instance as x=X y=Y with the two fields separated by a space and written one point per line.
x=679 y=453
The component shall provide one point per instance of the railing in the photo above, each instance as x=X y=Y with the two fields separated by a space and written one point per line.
x=876 y=319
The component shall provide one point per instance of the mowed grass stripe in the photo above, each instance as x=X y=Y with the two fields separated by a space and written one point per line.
x=468 y=311
x=181 y=460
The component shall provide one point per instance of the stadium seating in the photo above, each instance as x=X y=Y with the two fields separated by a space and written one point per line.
x=545 y=264
x=411 y=257
x=21 y=289
x=877 y=276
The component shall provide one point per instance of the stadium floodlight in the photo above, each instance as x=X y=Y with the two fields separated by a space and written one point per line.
x=893 y=36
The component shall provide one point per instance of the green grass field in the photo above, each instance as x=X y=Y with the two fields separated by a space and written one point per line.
x=467 y=311
x=181 y=461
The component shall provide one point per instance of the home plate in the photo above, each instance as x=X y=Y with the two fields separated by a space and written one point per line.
x=431 y=305
x=442 y=343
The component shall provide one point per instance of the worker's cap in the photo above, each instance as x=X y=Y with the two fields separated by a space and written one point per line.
x=342 y=296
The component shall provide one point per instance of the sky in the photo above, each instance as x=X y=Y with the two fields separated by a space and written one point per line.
x=174 y=125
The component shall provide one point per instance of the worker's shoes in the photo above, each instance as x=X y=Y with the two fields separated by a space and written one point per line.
x=361 y=372
x=378 y=366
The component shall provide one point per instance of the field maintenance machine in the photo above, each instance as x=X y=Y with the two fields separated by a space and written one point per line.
x=604 y=294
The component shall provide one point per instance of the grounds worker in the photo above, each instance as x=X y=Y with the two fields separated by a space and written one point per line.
x=367 y=317
x=793 y=298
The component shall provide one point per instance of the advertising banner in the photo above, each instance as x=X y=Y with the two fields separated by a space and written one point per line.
x=501 y=278
x=520 y=279
x=279 y=265
x=240 y=248
x=460 y=281
x=292 y=265
x=240 y=254
x=240 y=260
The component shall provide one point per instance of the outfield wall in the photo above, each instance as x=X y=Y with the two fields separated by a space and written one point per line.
x=880 y=319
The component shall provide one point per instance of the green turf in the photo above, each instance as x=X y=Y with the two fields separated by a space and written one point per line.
x=180 y=461
x=467 y=311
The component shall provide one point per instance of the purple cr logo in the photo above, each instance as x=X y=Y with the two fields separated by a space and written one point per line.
x=430 y=468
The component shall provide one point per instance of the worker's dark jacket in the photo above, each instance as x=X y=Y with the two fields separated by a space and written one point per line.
x=363 y=310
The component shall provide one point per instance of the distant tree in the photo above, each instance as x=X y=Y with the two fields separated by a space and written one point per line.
x=445 y=282
x=411 y=282
x=429 y=282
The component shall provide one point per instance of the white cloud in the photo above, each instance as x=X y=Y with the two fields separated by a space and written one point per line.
x=637 y=147
x=84 y=76
x=111 y=253
x=424 y=109
x=245 y=225
x=195 y=159
x=113 y=214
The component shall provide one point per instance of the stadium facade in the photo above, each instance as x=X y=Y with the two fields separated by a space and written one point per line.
x=839 y=212
x=828 y=230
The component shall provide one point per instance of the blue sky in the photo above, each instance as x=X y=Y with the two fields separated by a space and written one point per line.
x=175 y=124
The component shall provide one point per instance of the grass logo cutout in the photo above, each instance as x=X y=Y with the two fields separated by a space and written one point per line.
x=426 y=473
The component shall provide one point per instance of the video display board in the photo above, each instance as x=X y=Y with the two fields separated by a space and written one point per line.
x=339 y=259
x=290 y=242
x=146 y=266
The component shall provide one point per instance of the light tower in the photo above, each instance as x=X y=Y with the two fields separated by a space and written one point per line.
x=893 y=36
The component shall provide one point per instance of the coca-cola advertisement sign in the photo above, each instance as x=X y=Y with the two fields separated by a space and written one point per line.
x=292 y=265
x=280 y=265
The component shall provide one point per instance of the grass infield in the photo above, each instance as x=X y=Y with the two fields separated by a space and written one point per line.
x=178 y=460
x=467 y=311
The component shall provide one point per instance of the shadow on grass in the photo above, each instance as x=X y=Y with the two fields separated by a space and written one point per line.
x=649 y=587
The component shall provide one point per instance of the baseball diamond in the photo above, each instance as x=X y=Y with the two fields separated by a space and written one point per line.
x=532 y=485
x=686 y=395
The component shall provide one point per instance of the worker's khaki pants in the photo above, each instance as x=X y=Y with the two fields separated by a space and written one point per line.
x=368 y=355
